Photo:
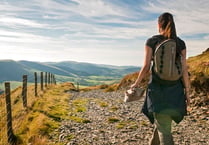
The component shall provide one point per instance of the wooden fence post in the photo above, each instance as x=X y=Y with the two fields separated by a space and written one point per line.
x=48 y=77
x=51 y=78
x=45 y=79
x=54 y=80
x=77 y=86
x=42 y=85
x=10 y=134
x=35 y=76
x=24 y=91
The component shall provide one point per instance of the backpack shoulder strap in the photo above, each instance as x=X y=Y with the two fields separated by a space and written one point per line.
x=159 y=40
x=164 y=43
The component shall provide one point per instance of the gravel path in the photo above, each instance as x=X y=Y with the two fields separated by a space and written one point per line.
x=99 y=118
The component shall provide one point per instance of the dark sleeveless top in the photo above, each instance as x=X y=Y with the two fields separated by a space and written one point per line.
x=162 y=97
x=157 y=39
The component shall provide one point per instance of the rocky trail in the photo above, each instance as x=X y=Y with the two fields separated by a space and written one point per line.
x=99 y=118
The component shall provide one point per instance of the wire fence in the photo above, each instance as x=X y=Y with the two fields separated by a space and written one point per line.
x=14 y=104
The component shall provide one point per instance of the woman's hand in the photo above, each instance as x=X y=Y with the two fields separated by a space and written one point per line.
x=187 y=94
x=134 y=85
x=188 y=98
x=186 y=80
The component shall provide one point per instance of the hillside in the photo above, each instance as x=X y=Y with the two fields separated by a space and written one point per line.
x=89 y=69
x=37 y=66
x=199 y=63
x=199 y=69
x=12 y=70
x=85 y=73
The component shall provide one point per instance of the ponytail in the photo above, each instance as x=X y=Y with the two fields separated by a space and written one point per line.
x=167 y=24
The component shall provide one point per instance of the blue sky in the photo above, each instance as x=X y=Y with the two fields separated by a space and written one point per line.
x=96 y=31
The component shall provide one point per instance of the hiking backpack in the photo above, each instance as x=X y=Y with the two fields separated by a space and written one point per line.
x=167 y=65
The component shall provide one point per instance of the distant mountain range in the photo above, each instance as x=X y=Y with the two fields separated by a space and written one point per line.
x=13 y=70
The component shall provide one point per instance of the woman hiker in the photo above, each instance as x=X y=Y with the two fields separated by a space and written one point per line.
x=165 y=101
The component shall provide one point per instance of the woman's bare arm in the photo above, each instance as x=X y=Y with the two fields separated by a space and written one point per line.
x=185 y=76
x=146 y=67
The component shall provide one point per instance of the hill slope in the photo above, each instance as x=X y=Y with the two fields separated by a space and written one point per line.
x=199 y=69
x=89 y=69
x=87 y=73
x=37 y=66
x=199 y=63
x=12 y=70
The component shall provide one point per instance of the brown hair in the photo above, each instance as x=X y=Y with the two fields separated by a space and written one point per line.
x=167 y=24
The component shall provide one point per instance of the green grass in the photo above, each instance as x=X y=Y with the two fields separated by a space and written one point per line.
x=79 y=105
x=103 y=104
x=114 y=108
x=69 y=137
x=121 y=125
x=127 y=124
x=79 y=119
x=143 y=123
x=44 y=114
x=113 y=120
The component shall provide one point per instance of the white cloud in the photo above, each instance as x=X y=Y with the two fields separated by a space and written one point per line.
x=7 y=7
x=90 y=8
x=12 y=37
x=18 y=21
x=96 y=8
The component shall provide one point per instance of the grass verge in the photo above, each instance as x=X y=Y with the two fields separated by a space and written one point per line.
x=37 y=124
